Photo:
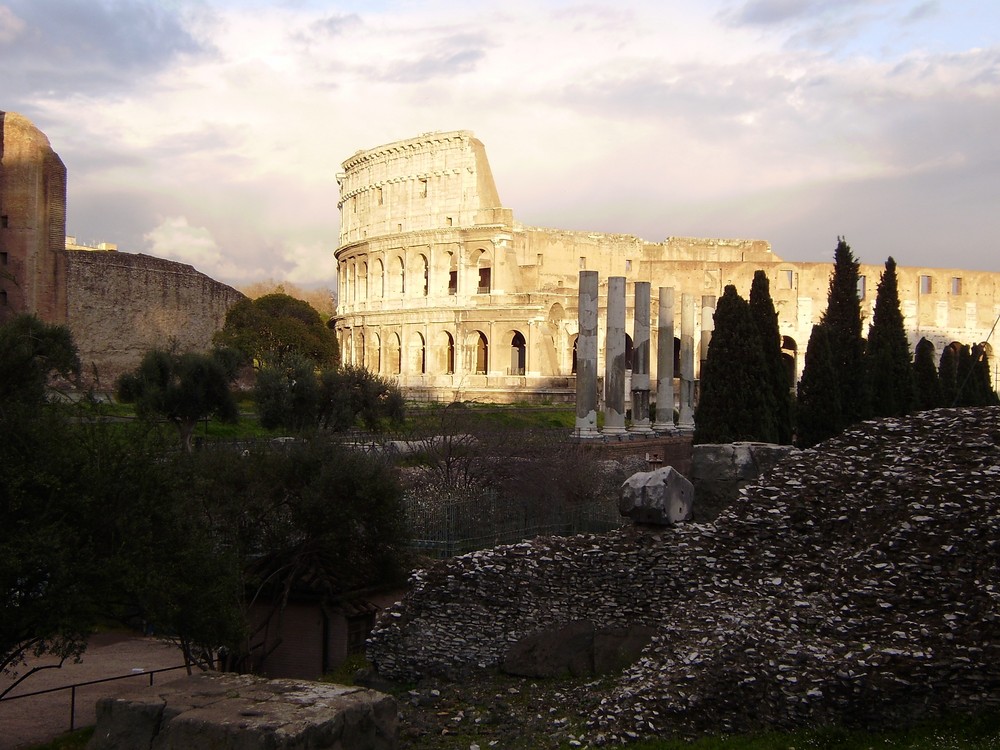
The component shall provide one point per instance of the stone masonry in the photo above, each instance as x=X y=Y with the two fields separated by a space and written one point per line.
x=855 y=583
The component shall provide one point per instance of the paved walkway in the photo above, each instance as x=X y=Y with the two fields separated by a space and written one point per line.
x=31 y=721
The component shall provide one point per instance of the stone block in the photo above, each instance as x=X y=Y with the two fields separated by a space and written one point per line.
x=242 y=712
x=663 y=497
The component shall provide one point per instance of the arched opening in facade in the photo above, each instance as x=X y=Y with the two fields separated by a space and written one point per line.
x=447 y=353
x=375 y=354
x=518 y=354
x=452 y=273
x=354 y=282
x=572 y=370
x=378 y=278
x=425 y=275
x=359 y=359
x=628 y=352
x=484 y=271
x=479 y=351
x=417 y=362
x=789 y=355
x=399 y=276
x=394 y=353
x=363 y=281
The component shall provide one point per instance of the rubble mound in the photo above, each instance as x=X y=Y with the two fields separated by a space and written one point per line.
x=857 y=583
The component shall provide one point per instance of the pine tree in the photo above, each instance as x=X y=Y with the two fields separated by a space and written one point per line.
x=983 y=389
x=736 y=402
x=926 y=383
x=842 y=320
x=766 y=320
x=818 y=415
x=887 y=357
x=948 y=375
x=964 y=386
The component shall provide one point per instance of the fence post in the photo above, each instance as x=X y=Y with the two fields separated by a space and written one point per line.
x=72 y=708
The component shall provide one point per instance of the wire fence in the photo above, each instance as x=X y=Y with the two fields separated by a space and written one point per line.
x=443 y=526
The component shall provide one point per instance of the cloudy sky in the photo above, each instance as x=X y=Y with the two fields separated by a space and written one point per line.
x=211 y=131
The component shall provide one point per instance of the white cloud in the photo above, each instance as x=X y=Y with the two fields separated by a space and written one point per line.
x=11 y=26
x=640 y=117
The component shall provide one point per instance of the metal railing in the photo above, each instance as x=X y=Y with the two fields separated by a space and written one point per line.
x=72 y=688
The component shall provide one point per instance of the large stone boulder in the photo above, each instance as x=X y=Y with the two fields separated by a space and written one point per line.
x=661 y=497
x=720 y=470
x=242 y=712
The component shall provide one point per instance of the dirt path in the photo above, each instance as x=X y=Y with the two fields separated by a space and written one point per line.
x=29 y=721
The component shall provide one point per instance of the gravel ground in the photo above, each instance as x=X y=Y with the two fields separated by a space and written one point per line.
x=30 y=721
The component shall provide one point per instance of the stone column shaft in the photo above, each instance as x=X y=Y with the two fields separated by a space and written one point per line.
x=665 y=363
x=686 y=417
x=640 y=361
x=614 y=365
x=586 y=357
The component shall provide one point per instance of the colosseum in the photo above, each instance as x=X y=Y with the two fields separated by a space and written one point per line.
x=441 y=288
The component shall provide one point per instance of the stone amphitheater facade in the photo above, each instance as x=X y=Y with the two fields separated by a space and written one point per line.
x=117 y=305
x=442 y=289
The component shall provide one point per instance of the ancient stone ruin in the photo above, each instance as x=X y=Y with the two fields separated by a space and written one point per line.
x=663 y=497
x=857 y=583
x=240 y=711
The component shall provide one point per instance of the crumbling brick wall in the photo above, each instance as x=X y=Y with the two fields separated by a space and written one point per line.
x=123 y=304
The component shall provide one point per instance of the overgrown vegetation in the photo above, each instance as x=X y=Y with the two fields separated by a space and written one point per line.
x=103 y=521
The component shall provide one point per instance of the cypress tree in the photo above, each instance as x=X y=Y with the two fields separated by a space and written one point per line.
x=983 y=389
x=842 y=320
x=887 y=357
x=766 y=320
x=736 y=403
x=948 y=374
x=818 y=414
x=965 y=388
x=926 y=383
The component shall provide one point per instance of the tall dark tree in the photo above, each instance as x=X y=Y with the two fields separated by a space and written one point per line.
x=765 y=318
x=981 y=386
x=926 y=383
x=887 y=356
x=948 y=374
x=842 y=320
x=737 y=402
x=818 y=414
x=964 y=385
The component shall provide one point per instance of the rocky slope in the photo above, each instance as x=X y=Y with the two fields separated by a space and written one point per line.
x=856 y=583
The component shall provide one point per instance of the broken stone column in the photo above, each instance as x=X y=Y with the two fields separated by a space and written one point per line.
x=640 y=361
x=614 y=356
x=586 y=358
x=662 y=497
x=685 y=422
x=664 y=422
x=707 y=327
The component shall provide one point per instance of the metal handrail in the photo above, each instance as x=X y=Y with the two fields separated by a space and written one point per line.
x=72 y=688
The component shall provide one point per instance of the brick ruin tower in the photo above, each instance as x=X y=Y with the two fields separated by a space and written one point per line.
x=32 y=223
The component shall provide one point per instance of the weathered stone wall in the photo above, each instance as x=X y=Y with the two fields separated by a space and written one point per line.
x=32 y=223
x=123 y=304
x=855 y=583
x=720 y=471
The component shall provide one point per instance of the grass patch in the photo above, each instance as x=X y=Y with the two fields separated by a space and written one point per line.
x=981 y=732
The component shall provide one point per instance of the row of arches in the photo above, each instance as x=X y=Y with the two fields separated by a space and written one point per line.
x=384 y=353
x=442 y=353
x=395 y=276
